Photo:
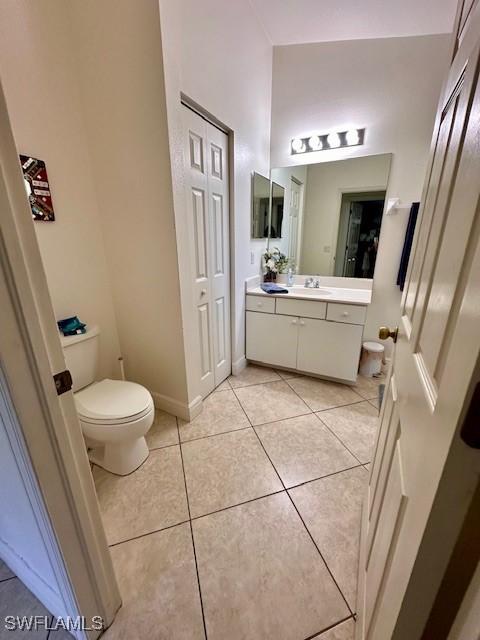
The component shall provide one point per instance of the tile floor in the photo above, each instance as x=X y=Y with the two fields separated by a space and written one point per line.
x=244 y=522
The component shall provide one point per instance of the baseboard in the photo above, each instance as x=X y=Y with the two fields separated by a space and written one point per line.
x=239 y=365
x=180 y=409
x=40 y=589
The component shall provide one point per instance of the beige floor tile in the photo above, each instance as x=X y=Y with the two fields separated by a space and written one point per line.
x=321 y=394
x=253 y=374
x=225 y=470
x=17 y=600
x=163 y=431
x=356 y=426
x=260 y=574
x=368 y=387
x=150 y=498
x=331 y=508
x=303 y=449
x=5 y=572
x=270 y=402
x=343 y=631
x=221 y=412
x=223 y=386
x=375 y=403
x=286 y=375
x=159 y=587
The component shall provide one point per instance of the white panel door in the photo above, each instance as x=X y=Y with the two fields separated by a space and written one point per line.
x=206 y=177
x=432 y=369
x=295 y=222
x=329 y=348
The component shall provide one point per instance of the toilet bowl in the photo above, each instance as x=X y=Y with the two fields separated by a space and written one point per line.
x=114 y=415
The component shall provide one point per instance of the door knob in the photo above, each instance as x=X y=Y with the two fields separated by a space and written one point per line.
x=385 y=332
x=203 y=292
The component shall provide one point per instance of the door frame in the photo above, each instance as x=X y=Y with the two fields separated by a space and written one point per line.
x=189 y=103
x=43 y=430
x=346 y=196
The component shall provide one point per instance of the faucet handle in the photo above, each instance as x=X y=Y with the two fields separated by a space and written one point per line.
x=308 y=282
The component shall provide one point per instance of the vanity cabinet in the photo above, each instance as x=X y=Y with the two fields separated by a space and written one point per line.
x=311 y=336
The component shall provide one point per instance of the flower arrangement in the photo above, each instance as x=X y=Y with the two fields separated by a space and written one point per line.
x=274 y=262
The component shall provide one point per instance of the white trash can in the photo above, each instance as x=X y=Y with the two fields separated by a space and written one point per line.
x=371 y=360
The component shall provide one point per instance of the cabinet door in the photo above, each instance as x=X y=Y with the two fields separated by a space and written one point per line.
x=272 y=339
x=329 y=348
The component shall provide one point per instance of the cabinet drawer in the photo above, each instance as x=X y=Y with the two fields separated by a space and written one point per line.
x=351 y=313
x=303 y=308
x=260 y=303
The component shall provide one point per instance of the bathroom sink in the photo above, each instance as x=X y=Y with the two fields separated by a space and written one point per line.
x=310 y=291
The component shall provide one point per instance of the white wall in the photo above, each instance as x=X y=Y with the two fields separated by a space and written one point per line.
x=326 y=183
x=390 y=86
x=217 y=54
x=119 y=67
x=38 y=77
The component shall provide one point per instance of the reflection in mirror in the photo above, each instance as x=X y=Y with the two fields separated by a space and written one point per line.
x=333 y=214
x=260 y=205
x=276 y=220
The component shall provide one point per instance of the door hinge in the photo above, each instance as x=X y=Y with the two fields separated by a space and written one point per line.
x=63 y=381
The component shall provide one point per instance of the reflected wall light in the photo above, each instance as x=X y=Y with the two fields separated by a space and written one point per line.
x=324 y=142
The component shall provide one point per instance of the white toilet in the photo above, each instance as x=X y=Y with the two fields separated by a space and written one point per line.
x=114 y=415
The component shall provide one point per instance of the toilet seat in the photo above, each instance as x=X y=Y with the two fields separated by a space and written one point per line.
x=113 y=402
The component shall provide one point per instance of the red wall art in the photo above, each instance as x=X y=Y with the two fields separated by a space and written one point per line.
x=38 y=188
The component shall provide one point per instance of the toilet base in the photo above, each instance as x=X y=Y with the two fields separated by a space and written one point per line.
x=120 y=458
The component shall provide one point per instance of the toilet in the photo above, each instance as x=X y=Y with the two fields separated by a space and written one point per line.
x=114 y=415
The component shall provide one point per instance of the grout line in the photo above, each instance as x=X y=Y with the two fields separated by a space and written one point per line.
x=328 y=475
x=148 y=533
x=193 y=539
x=303 y=522
x=332 y=626
x=212 y=435
x=340 y=440
x=6 y=579
x=162 y=446
x=301 y=519
x=340 y=406
x=238 y=504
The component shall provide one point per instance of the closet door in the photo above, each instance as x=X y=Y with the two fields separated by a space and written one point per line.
x=219 y=256
x=206 y=186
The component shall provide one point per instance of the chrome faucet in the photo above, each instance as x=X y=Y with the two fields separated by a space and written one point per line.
x=312 y=283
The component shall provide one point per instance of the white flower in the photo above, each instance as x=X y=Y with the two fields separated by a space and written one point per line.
x=271 y=264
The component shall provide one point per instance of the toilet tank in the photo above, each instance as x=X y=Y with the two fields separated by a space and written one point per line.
x=81 y=356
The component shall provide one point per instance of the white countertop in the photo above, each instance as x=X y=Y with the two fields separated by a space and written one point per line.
x=325 y=294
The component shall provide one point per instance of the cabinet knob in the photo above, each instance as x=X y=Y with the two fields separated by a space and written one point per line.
x=302 y=322
x=345 y=314
x=203 y=292
x=294 y=322
x=259 y=304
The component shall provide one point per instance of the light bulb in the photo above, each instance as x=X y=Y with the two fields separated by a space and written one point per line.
x=352 y=137
x=314 y=143
x=298 y=145
x=333 y=140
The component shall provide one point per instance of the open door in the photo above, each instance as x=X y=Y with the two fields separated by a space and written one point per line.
x=41 y=425
x=430 y=388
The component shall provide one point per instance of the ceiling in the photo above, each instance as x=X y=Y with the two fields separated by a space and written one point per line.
x=300 y=21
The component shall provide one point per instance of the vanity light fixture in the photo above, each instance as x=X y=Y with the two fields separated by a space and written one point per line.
x=298 y=145
x=324 y=142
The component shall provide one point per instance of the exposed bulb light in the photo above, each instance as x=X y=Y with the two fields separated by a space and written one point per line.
x=352 y=137
x=298 y=145
x=315 y=143
x=333 y=140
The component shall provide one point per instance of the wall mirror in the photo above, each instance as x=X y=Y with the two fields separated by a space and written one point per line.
x=329 y=220
x=260 y=206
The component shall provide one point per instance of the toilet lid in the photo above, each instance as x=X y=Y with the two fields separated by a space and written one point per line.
x=112 y=400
